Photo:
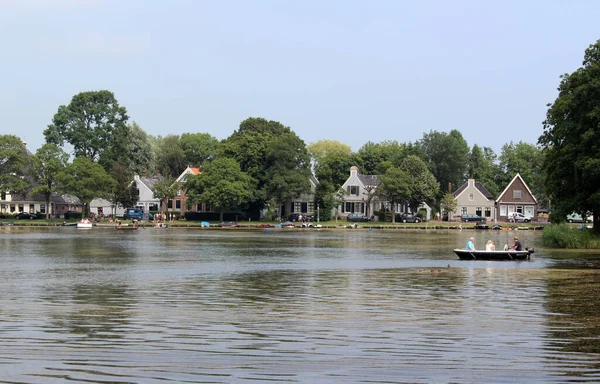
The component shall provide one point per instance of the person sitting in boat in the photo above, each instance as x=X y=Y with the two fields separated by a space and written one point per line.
x=517 y=245
x=490 y=246
x=471 y=244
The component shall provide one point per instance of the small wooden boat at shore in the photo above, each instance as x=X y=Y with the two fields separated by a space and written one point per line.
x=509 y=255
x=126 y=228
x=84 y=224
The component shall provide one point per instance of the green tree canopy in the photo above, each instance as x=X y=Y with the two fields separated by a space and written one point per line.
x=86 y=180
x=525 y=159
x=394 y=186
x=198 y=148
x=447 y=155
x=125 y=193
x=170 y=158
x=483 y=167
x=273 y=156
x=422 y=184
x=165 y=189
x=140 y=153
x=221 y=184
x=374 y=159
x=48 y=163
x=13 y=160
x=94 y=125
x=571 y=142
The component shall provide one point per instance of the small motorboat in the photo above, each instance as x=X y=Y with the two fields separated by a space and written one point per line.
x=508 y=255
x=85 y=224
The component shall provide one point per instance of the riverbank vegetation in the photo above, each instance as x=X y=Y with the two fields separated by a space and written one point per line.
x=567 y=236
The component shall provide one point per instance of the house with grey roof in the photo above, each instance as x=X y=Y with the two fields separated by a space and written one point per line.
x=473 y=198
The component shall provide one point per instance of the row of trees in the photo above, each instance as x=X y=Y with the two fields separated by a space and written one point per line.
x=264 y=163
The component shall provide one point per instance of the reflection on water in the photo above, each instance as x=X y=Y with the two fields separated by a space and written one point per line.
x=290 y=306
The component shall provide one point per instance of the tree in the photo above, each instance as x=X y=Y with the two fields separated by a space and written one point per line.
x=447 y=155
x=198 y=148
x=483 y=168
x=125 y=193
x=170 y=158
x=374 y=159
x=13 y=160
x=394 y=187
x=331 y=162
x=48 y=163
x=571 y=142
x=140 y=154
x=448 y=204
x=94 y=124
x=221 y=184
x=86 y=180
x=422 y=184
x=273 y=156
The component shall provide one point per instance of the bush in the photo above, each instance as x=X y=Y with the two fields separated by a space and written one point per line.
x=565 y=236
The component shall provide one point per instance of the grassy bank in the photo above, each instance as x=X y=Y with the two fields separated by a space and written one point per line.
x=565 y=236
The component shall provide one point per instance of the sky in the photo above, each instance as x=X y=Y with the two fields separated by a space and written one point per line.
x=344 y=70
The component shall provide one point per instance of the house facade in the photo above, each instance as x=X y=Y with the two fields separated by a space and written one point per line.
x=146 y=200
x=516 y=197
x=305 y=203
x=179 y=203
x=11 y=204
x=473 y=198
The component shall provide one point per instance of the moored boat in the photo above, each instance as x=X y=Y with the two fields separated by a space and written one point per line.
x=84 y=224
x=509 y=255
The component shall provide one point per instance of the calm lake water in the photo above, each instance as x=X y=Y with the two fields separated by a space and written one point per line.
x=278 y=306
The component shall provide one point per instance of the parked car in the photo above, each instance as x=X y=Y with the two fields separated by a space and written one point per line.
x=287 y=224
x=516 y=217
x=26 y=216
x=357 y=217
x=471 y=217
x=229 y=224
x=410 y=218
x=577 y=218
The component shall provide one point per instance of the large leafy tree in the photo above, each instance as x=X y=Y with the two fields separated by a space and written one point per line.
x=221 y=184
x=375 y=158
x=422 y=184
x=198 y=148
x=86 y=180
x=94 y=124
x=331 y=162
x=394 y=186
x=170 y=157
x=166 y=189
x=125 y=193
x=48 y=163
x=13 y=161
x=571 y=142
x=273 y=156
x=484 y=168
x=447 y=155
x=140 y=154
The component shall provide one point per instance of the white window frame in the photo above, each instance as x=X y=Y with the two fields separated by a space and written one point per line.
x=471 y=196
x=503 y=210
x=517 y=194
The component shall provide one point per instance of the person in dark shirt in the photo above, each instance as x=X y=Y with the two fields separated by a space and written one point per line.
x=517 y=245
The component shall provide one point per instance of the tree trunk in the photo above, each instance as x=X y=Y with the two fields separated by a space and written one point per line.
x=221 y=214
x=47 y=206
x=393 y=213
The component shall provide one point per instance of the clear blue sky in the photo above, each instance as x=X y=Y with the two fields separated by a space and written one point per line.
x=351 y=71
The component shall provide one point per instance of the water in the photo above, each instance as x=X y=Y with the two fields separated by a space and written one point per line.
x=329 y=306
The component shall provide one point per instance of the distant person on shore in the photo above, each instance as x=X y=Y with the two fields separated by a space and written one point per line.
x=517 y=245
x=490 y=246
x=471 y=244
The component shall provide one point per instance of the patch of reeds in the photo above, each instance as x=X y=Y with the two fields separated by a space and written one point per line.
x=565 y=236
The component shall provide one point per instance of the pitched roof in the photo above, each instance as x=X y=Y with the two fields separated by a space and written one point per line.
x=511 y=182
x=479 y=187
x=150 y=181
x=368 y=180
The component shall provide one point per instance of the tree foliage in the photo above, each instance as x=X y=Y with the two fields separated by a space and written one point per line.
x=394 y=186
x=423 y=187
x=571 y=141
x=221 y=184
x=140 y=154
x=447 y=155
x=376 y=158
x=86 y=180
x=483 y=167
x=525 y=159
x=13 y=160
x=94 y=125
x=125 y=192
x=198 y=148
x=273 y=156
x=170 y=158
x=47 y=165
x=165 y=189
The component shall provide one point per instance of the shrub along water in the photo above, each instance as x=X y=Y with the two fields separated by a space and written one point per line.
x=565 y=236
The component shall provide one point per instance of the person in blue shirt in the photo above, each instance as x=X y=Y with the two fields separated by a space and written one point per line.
x=471 y=244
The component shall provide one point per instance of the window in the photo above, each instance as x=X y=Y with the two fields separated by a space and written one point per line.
x=478 y=211
x=516 y=194
x=503 y=210
x=21 y=208
x=311 y=207
x=463 y=210
x=471 y=197
x=348 y=207
x=169 y=203
x=520 y=208
x=42 y=208
x=178 y=204
x=353 y=190
x=488 y=212
x=511 y=209
x=529 y=209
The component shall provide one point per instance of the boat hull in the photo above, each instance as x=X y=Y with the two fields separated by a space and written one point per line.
x=463 y=254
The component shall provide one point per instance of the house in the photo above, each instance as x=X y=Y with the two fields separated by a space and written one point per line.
x=473 y=198
x=180 y=201
x=305 y=203
x=146 y=199
x=516 y=197
x=361 y=198
x=101 y=207
x=11 y=204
